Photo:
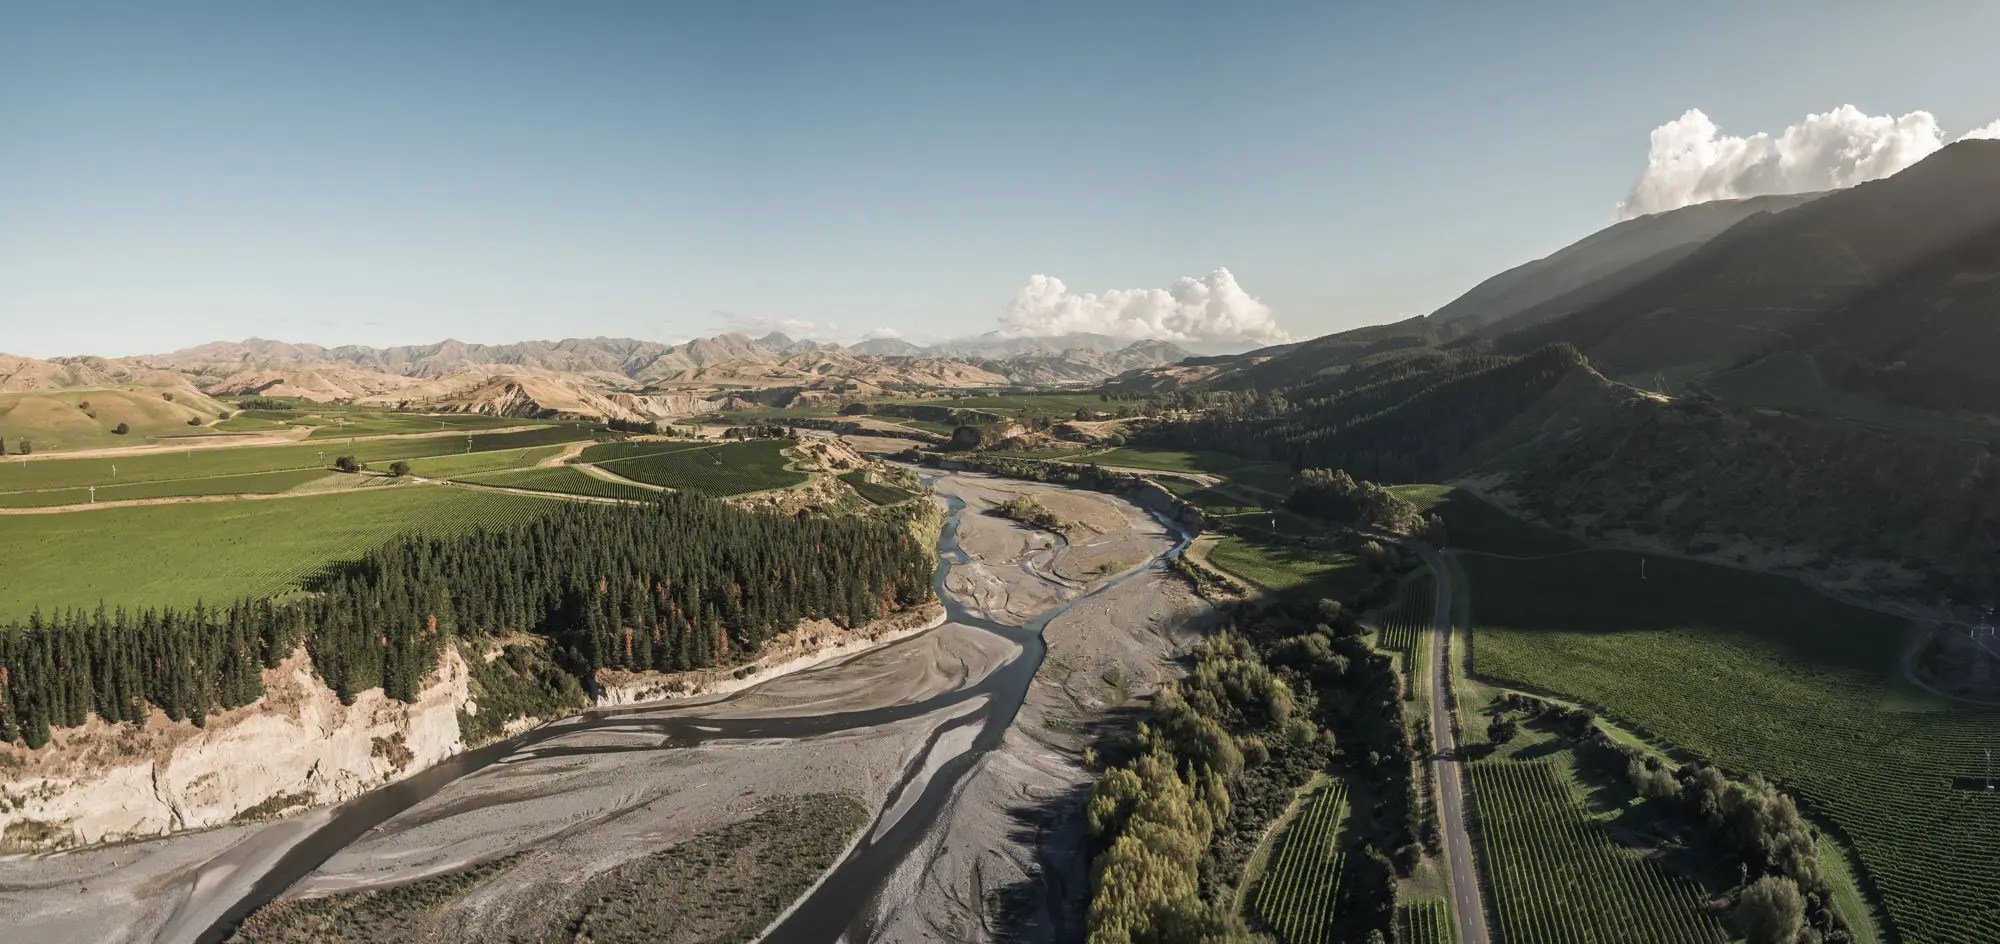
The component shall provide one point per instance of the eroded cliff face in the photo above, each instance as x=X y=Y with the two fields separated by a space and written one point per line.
x=297 y=746
x=815 y=642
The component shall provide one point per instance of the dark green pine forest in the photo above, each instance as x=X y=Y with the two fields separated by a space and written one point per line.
x=681 y=583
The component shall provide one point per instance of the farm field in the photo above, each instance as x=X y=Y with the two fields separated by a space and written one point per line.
x=719 y=470
x=1475 y=524
x=613 y=451
x=445 y=467
x=1287 y=568
x=568 y=480
x=254 y=483
x=1760 y=674
x=18 y=474
x=1406 y=629
x=178 y=554
x=1425 y=922
x=1791 y=381
x=1296 y=894
x=331 y=425
x=1269 y=476
x=1557 y=878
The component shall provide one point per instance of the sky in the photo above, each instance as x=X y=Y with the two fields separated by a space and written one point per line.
x=400 y=173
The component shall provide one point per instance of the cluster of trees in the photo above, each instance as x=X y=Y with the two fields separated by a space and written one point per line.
x=1757 y=828
x=1404 y=416
x=684 y=582
x=1031 y=513
x=1293 y=690
x=262 y=403
x=647 y=427
x=1334 y=495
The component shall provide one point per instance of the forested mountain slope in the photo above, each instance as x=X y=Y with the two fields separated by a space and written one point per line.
x=1603 y=263
x=1779 y=281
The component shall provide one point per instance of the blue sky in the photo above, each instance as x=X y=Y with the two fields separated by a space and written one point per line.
x=399 y=173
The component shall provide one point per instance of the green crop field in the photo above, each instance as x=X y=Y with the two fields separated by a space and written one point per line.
x=1475 y=524
x=1760 y=674
x=1425 y=922
x=492 y=460
x=1287 y=568
x=255 y=483
x=18 y=474
x=613 y=451
x=1296 y=894
x=181 y=553
x=568 y=480
x=370 y=423
x=726 y=469
x=1791 y=381
x=1269 y=476
x=1406 y=628
x=1556 y=877
x=876 y=492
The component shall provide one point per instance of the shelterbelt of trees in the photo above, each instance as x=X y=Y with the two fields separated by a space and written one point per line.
x=683 y=582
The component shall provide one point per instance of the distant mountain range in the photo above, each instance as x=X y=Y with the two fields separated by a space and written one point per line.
x=620 y=378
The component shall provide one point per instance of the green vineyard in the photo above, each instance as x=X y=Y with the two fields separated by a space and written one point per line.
x=614 y=451
x=1407 y=627
x=193 y=463
x=1760 y=674
x=1556 y=878
x=1295 y=897
x=223 y=551
x=567 y=480
x=728 y=469
x=1424 y=922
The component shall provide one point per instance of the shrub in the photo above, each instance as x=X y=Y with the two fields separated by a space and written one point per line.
x=399 y=468
x=120 y=429
x=348 y=464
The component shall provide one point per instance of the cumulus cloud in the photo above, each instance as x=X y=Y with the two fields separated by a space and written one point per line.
x=1692 y=161
x=882 y=334
x=1989 y=132
x=1209 y=309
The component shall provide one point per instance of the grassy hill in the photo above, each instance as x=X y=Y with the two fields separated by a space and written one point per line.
x=86 y=417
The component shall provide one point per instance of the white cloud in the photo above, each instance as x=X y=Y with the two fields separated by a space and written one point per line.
x=1212 y=308
x=1990 y=131
x=1692 y=161
x=882 y=334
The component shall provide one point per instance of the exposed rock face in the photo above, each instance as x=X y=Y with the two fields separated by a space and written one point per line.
x=297 y=746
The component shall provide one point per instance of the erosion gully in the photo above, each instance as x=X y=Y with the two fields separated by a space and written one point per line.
x=842 y=905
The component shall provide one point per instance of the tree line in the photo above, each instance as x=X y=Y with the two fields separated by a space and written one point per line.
x=1290 y=690
x=680 y=583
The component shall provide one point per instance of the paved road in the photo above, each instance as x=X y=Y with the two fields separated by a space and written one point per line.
x=1448 y=767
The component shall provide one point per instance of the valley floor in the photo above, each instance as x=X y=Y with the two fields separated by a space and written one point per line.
x=901 y=729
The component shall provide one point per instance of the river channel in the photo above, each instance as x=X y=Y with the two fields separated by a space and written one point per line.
x=842 y=906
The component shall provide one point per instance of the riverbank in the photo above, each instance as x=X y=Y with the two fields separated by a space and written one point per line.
x=902 y=727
